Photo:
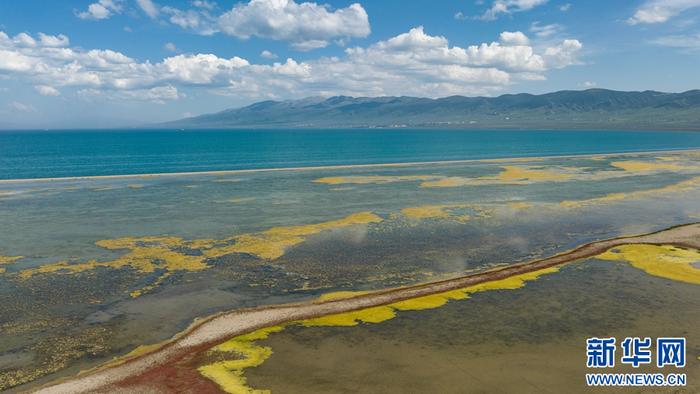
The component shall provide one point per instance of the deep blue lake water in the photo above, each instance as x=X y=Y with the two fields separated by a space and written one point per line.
x=39 y=154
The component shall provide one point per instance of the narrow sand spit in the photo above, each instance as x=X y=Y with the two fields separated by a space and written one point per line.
x=151 y=370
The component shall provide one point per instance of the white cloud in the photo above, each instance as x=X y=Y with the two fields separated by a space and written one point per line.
x=563 y=55
x=103 y=9
x=546 y=31
x=46 y=90
x=682 y=41
x=268 y=55
x=459 y=15
x=169 y=46
x=158 y=95
x=209 y=5
x=412 y=63
x=306 y=25
x=514 y=38
x=15 y=61
x=21 y=107
x=197 y=20
x=565 y=7
x=53 y=41
x=659 y=11
x=499 y=7
x=149 y=8
x=589 y=84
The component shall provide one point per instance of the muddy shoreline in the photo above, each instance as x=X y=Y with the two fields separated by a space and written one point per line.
x=170 y=363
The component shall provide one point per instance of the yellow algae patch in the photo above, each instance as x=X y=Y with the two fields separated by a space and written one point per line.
x=272 y=243
x=366 y=179
x=238 y=200
x=645 y=166
x=438 y=300
x=510 y=175
x=135 y=186
x=146 y=289
x=228 y=374
x=8 y=260
x=519 y=205
x=166 y=255
x=370 y=315
x=453 y=181
x=530 y=174
x=435 y=212
x=664 y=261
x=147 y=255
x=339 y=295
x=684 y=186
x=169 y=254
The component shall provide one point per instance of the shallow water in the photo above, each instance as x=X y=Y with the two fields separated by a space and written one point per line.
x=271 y=237
x=528 y=340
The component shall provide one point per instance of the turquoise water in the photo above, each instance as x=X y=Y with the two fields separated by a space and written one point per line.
x=42 y=154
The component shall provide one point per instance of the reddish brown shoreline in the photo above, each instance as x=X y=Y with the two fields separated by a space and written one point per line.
x=171 y=365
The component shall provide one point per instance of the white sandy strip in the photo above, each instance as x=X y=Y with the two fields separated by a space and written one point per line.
x=332 y=167
x=221 y=327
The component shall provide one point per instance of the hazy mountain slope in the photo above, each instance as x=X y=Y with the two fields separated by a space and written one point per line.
x=593 y=108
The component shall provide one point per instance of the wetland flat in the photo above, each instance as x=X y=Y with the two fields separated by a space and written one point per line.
x=93 y=268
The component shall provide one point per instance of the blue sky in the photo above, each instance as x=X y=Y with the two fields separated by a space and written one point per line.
x=106 y=63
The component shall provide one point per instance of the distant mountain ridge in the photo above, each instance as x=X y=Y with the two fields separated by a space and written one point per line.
x=568 y=109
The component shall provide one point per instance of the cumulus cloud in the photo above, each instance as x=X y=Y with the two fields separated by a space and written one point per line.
x=268 y=55
x=514 y=38
x=149 y=8
x=306 y=25
x=659 y=11
x=563 y=55
x=103 y=9
x=412 y=63
x=499 y=7
x=46 y=90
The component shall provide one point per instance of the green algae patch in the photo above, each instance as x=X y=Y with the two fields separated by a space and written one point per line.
x=664 y=261
x=229 y=373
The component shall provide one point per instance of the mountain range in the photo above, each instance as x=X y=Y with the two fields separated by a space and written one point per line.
x=569 y=109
